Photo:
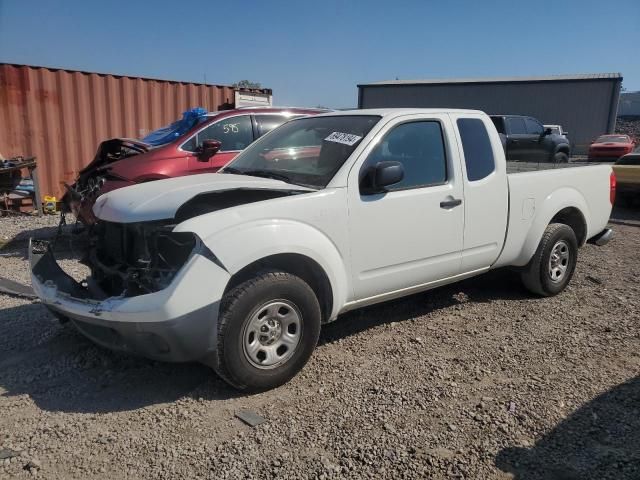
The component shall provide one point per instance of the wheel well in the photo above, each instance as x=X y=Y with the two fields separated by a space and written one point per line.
x=572 y=217
x=299 y=265
x=563 y=149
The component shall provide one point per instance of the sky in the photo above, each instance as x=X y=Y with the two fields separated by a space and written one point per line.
x=315 y=53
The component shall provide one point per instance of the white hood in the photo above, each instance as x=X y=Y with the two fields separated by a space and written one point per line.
x=161 y=199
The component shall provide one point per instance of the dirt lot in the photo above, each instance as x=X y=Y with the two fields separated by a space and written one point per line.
x=476 y=380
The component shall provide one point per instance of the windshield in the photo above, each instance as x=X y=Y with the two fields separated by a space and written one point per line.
x=307 y=152
x=613 y=139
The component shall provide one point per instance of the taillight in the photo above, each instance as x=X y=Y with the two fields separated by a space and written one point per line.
x=612 y=187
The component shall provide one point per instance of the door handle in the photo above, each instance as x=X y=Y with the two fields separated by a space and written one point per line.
x=450 y=203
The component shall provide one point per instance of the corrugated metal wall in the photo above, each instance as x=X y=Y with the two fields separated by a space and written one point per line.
x=585 y=108
x=61 y=116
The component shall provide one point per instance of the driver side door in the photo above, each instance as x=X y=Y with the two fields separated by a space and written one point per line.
x=235 y=134
x=411 y=235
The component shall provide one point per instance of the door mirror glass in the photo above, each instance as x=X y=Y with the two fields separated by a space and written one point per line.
x=382 y=175
x=209 y=148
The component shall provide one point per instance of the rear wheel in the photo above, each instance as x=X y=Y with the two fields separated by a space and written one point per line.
x=552 y=266
x=561 y=157
x=268 y=329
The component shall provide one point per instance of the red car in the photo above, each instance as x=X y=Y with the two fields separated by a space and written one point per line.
x=610 y=147
x=199 y=143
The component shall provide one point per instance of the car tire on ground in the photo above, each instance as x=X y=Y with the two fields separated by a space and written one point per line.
x=267 y=330
x=561 y=157
x=551 y=267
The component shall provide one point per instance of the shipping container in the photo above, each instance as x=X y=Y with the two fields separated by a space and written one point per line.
x=61 y=116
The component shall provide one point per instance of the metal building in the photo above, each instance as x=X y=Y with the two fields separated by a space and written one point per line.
x=60 y=116
x=585 y=105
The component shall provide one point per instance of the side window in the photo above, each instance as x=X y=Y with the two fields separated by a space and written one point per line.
x=499 y=123
x=516 y=126
x=235 y=133
x=266 y=123
x=478 y=154
x=533 y=126
x=419 y=146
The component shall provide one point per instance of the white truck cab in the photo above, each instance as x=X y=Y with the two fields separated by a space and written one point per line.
x=325 y=214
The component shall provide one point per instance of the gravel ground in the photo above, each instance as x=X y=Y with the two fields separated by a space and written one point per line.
x=628 y=126
x=475 y=380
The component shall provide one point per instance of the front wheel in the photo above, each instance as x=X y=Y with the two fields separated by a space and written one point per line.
x=561 y=157
x=267 y=331
x=551 y=267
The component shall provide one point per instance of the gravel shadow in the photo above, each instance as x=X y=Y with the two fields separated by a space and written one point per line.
x=600 y=440
x=501 y=284
x=61 y=371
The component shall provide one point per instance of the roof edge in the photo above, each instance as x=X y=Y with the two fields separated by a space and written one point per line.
x=548 y=78
x=133 y=77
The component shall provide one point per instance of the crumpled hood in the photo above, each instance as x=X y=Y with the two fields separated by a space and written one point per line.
x=161 y=199
x=112 y=146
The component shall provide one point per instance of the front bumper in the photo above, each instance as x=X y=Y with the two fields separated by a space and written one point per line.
x=176 y=324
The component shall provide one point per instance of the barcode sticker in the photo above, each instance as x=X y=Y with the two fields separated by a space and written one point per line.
x=344 y=138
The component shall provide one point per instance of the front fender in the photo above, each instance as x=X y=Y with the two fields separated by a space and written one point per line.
x=239 y=246
x=562 y=147
x=560 y=199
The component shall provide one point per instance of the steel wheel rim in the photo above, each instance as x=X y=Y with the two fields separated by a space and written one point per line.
x=272 y=334
x=559 y=261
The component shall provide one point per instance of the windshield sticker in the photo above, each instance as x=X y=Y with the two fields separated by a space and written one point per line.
x=344 y=138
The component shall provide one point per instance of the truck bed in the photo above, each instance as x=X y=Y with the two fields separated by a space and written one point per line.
x=535 y=195
x=515 y=166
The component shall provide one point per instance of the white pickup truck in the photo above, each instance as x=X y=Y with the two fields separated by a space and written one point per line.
x=325 y=214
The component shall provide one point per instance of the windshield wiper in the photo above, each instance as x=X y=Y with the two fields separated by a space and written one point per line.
x=267 y=174
x=232 y=170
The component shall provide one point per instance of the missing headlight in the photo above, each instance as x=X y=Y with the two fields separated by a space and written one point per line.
x=138 y=258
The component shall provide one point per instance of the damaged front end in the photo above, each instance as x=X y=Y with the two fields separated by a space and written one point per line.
x=137 y=258
x=150 y=291
x=97 y=177
x=125 y=260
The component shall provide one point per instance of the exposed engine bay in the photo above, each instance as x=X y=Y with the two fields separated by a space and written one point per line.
x=138 y=258
x=130 y=259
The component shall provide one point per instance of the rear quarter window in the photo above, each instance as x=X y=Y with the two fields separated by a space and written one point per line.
x=476 y=145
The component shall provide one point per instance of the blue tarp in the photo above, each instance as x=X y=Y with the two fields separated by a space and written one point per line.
x=176 y=129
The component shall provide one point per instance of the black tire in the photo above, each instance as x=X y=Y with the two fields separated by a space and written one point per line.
x=536 y=276
x=240 y=305
x=561 y=157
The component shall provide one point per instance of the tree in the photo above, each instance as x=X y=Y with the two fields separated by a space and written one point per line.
x=246 y=84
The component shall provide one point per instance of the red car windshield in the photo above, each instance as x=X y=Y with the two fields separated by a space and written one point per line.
x=613 y=139
x=306 y=152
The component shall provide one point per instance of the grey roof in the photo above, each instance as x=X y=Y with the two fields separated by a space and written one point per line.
x=547 y=78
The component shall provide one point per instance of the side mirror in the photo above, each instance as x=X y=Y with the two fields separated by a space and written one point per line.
x=380 y=176
x=547 y=131
x=208 y=149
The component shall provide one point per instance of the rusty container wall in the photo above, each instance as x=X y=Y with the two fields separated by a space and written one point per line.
x=60 y=116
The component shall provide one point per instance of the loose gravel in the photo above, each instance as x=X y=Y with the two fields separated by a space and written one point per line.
x=474 y=380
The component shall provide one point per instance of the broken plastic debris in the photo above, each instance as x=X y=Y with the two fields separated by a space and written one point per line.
x=250 y=418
